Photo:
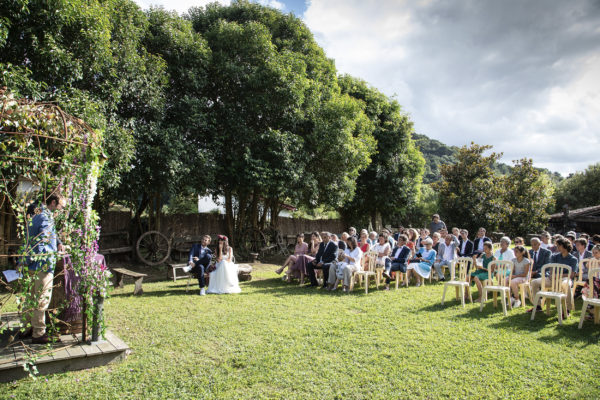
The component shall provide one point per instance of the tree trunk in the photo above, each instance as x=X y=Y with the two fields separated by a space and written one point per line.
x=274 y=212
x=263 y=216
x=229 y=215
x=157 y=215
x=136 y=229
x=242 y=213
x=254 y=208
x=3 y=239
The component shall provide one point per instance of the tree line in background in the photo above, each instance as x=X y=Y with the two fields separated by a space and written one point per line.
x=239 y=101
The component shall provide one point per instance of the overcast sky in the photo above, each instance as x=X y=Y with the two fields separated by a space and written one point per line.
x=522 y=75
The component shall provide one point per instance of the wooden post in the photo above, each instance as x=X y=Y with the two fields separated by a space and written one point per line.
x=3 y=239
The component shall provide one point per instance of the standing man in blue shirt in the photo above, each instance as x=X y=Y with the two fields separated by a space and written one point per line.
x=43 y=244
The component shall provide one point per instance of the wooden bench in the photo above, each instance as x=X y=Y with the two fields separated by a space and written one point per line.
x=127 y=249
x=173 y=269
x=120 y=273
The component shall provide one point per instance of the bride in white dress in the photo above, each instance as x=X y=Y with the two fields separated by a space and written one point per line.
x=224 y=279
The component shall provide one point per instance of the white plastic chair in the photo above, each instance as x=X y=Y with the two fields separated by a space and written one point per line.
x=498 y=273
x=555 y=291
x=367 y=273
x=589 y=264
x=461 y=282
x=591 y=300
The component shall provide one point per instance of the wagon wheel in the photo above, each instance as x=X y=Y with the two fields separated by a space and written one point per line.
x=252 y=241
x=153 y=248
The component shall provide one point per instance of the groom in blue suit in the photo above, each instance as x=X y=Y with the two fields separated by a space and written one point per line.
x=200 y=258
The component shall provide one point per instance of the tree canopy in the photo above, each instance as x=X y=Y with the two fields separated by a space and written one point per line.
x=579 y=190
x=389 y=186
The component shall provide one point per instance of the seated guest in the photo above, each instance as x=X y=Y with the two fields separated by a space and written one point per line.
x=478 y=242
x=545 y=238
x=443 y=233
x=465 y=248
x=446 y=253
x=571 y=236
x=581 y=251
x=482 y=271
x=399 y=232
x=456 y=232
x=346 y=268
x=539 y=257
x=423 y=234
x=398 y=260
x=200 y=258
x=389 y=238
x=436 y=224
x=519 y=241
x=363 y=242
x=383 y=249
x=298 y=269
x=553 y=247
x=595 y=240
x=373 y=238
x=563 y=256
x=588 y=240
x=325 y=256
x=413 y=236
x=352 y=231
x=340 y=242
x=300 y=249
x=504 y=253
x=421 y=265
x=521 y=266
x=436 y=241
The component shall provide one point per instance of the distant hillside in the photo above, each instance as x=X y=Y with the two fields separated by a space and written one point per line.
x=437 y=153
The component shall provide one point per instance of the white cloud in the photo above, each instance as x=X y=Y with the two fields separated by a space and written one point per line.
x=522 y=76
x=272 y=3
x=181 y=6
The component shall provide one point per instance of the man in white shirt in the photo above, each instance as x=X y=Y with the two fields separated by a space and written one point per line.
x=445 y=255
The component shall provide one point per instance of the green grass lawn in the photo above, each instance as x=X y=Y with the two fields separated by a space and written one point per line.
x=277 y=340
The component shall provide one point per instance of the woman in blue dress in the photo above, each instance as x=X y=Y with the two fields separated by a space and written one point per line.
x=420 y=266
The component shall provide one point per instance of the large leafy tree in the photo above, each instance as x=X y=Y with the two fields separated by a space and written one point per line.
x=87 y=56
x=470 y=195
x=389 y=186
x=529 y=197
x=280 y=127
x=579 y=190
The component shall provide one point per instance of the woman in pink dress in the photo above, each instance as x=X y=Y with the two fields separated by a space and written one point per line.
x=300 y=249
x=298 y=269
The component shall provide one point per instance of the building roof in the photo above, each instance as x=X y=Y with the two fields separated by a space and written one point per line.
x=580 y=212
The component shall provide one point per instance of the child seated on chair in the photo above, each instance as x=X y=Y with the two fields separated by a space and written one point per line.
x=522 y=265
x=481 y=274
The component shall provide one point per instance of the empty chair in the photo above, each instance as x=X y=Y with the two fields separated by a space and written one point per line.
x=499 y=276
x=368 y=272
x=459 y=278
x=555 y=291
x=591 y=298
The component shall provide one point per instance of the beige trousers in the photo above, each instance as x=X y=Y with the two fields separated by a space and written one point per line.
x=536 y=286
x=347 y=271
x=41 y=292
